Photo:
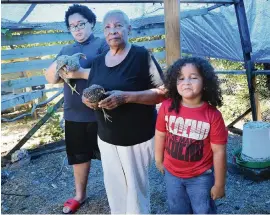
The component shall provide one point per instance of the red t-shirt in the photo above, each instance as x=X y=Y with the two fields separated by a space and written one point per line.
x=189 y=135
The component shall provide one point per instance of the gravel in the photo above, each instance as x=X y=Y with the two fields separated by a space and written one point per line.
x=49 y=187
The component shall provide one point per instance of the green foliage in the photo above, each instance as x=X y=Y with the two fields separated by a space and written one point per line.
x=53 y=130
x=235 y=90
x=220 y=64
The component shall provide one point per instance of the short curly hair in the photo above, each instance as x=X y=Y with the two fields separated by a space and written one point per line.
x=211 y=91
x=82 y=10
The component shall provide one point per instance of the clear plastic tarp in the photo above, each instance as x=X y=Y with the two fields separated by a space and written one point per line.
x=211 y=34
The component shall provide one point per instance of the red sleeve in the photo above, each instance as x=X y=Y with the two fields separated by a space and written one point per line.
x=218 y=130
x=161 y=123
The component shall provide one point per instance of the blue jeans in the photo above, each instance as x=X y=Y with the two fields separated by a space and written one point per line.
x=190 y=195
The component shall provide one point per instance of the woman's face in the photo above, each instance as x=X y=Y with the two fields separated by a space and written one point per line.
x=79 y=27
x=116 y=30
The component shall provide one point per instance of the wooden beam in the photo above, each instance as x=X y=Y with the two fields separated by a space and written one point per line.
x=172 y=30
x=9 y=101
x=44 y=64
x=267 y=66
x=25 y=66
x=23 y=82
x=241 y=72
x=50 y=50
x=65 y=36
x=28 y=12
x=257 y=100
x=117 y=1
x=34 y=38
x=81 y=1
x=208 y=1
x=239 y=118
x=235 y=130
x=35 y=128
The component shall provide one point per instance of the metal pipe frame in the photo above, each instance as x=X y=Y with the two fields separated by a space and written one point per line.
x=247 y=50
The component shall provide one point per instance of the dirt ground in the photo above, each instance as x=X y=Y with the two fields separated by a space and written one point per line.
x=41 y=186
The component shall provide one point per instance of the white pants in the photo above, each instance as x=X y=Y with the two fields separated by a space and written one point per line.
x=126 y=176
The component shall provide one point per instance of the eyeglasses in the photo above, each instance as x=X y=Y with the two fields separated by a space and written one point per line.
x=80 y=26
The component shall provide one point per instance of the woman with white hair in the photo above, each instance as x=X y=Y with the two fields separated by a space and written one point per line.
x=133 y=81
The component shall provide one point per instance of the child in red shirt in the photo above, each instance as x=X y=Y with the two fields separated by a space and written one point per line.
x=191 y=137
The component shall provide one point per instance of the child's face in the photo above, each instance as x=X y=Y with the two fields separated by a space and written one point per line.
x=189 y=82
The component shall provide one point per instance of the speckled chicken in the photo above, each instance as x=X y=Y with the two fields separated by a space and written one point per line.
x=94 y=94
x=69 y=63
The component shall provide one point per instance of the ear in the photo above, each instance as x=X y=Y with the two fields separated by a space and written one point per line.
x=92 y=25
x=129 y=29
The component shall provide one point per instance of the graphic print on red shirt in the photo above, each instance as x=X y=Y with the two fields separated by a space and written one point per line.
x=189 y=133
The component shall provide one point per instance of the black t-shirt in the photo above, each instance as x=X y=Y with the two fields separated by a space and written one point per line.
x=131 y=123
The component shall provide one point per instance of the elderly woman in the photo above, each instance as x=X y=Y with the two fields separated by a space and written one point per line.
x=133 y=81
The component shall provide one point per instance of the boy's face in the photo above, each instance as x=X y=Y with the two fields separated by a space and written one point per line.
x=79 y=27
x=189 y=83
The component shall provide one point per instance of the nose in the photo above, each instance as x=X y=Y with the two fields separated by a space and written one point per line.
x=112 y=31
x=77 y=29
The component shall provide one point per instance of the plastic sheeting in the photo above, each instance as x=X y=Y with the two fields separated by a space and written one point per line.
x=215 y=34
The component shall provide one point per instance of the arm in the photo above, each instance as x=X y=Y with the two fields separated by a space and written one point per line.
x=50 y=74
x=146 y=97
x=159 y=149
x=80 y=74
x=220 y=169
x=157 y=92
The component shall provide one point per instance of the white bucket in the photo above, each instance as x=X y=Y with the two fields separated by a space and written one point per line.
x=256 y=141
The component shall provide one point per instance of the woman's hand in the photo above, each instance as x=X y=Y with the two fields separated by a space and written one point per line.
x=89 y=104
x=217 y=192
x=115 y=98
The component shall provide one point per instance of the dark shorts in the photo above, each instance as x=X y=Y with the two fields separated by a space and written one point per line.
x=81 y=142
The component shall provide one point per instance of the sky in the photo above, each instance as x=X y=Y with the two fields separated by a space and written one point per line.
x=56 y=12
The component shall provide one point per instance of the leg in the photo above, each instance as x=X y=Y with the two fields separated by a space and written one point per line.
x=136 y=161
x=81 y=172
x=178 y=199
x=80 y=141
x=198 y=189
x=114 y=178
x=73 y=89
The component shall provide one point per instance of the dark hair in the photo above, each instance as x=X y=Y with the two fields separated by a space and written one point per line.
x=211 y=91
x=82 y=10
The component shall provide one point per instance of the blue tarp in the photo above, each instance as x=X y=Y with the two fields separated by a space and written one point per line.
x=216 y=34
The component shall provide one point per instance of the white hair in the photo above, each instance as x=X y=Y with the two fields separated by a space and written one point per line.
x=113 y=12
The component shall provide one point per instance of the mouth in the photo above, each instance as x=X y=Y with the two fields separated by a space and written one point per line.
x=115 y=38
x=78 y=35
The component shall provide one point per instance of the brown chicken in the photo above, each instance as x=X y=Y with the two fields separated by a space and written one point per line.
x=94 y=94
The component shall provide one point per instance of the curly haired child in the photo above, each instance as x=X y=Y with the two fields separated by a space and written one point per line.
x=191 y=138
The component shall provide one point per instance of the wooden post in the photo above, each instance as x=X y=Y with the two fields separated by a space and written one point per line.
x=257 y=101
x=172 y=30
x=266 y=66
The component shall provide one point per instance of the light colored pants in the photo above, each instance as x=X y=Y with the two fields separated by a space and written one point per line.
x=126 y=176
